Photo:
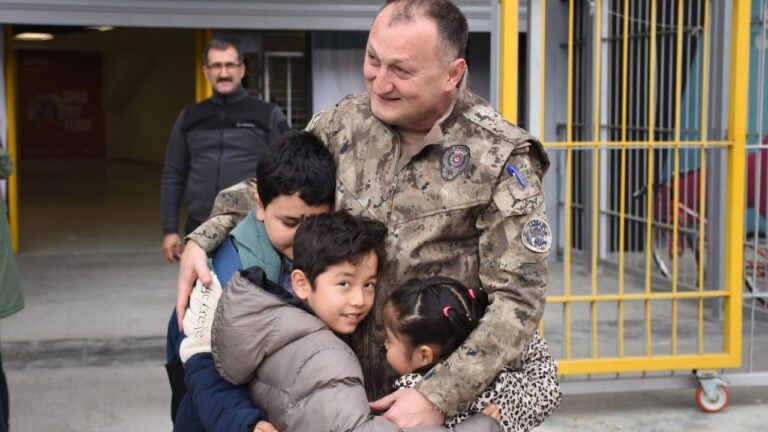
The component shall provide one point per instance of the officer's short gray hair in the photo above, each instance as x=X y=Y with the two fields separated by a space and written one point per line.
x=452 y=27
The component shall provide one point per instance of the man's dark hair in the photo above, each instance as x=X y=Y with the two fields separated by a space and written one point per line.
x=334 y=238
x=222 y=44
x=452 y=27
x=297 y=162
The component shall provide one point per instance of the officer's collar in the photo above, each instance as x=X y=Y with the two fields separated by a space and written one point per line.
x=435 y=135
x=233 y=97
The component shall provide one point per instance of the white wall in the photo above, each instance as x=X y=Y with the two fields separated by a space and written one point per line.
x=337 y=66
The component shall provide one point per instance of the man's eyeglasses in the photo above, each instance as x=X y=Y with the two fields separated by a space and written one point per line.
x=217 y=67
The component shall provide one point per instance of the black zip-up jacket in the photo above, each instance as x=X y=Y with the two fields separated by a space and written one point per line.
x=214 y=144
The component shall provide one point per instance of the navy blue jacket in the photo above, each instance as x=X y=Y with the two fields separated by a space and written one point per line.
x=211 y=403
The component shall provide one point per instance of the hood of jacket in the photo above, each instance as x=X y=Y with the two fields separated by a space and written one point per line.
x=255 y=318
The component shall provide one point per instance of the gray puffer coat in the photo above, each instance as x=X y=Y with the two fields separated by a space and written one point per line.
x=300 y=372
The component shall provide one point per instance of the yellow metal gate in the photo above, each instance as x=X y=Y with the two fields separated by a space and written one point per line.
x=650 y=196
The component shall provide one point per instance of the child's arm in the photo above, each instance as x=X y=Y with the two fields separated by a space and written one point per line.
x=229 y=208
x=221 y=406
x=528 y=396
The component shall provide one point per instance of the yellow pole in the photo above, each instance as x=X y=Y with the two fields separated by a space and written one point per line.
x=734 y=220
x=702 y=170
x=508 y=61
x=595 y=170
x=543 y=77
x=12 y=144
x=676 y=172
x=202 y=89
x=568 y=180
x=649 y=188
x=623 y=181
x=543 y=93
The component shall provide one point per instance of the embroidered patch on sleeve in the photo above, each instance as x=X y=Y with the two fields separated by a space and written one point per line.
x=537 y=236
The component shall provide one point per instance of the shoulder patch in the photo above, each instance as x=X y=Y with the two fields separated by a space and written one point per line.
x=490 y=120
x=537 y=236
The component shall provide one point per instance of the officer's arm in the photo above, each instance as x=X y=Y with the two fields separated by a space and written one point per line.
x=321 y=125
x=515 y=277
x=229 y=208
x=221 y=406
x=174 y=178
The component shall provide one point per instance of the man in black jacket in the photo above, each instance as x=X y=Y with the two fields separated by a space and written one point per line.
x=214 y=143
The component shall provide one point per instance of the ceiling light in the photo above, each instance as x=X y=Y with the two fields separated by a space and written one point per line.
x=102 y=28
x=28 y=36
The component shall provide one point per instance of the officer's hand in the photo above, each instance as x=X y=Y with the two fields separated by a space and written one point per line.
x=171 y=247
x=264 y=426
x=192 y=266
x=408 y=408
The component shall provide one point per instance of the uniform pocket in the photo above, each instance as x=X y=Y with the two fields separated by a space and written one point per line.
x=512 y=199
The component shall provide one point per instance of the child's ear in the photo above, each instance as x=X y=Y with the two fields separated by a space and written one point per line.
x=300 y=284
x=259 y=207
x=424 y=355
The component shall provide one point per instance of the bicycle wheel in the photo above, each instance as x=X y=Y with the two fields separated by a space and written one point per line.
x=688 y=256
x=662 y=245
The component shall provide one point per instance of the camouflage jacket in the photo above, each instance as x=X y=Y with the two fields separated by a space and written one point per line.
x=468 y=205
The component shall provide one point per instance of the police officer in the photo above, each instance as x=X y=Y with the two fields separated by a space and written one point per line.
x=214 y=143
x=458 y=187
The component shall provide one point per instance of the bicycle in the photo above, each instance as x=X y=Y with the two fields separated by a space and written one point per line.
x=691 y=222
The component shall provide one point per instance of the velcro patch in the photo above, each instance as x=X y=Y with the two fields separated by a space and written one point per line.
x=537 y=236
x=454 y=161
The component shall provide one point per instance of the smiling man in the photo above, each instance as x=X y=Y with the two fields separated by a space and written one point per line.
x=458 y=187
x=214 y=144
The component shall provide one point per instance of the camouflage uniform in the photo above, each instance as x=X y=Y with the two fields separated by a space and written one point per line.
x=448 y=212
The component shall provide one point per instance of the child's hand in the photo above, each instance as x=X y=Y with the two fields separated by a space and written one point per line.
x=199 y=319
x=492 y=411
x=264 y=426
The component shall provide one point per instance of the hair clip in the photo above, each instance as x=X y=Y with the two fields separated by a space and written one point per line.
x=471 y=293
x=445 y=311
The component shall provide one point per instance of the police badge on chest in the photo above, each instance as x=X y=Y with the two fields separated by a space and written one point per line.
x=455 y=160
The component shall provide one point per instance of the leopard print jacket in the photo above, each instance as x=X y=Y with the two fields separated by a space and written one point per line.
x=525 y=397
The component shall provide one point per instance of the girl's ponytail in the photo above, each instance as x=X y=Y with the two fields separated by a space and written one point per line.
x=436 y=311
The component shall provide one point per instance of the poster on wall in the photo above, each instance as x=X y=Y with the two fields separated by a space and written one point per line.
x=60 y=104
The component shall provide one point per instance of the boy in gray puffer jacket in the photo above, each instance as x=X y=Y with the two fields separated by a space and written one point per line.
x=300 y=372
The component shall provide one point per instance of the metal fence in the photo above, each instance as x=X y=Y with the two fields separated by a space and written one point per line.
x=649 y=160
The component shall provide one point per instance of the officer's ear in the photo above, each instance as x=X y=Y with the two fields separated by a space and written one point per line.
x=456 y=71
x=260 y=209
